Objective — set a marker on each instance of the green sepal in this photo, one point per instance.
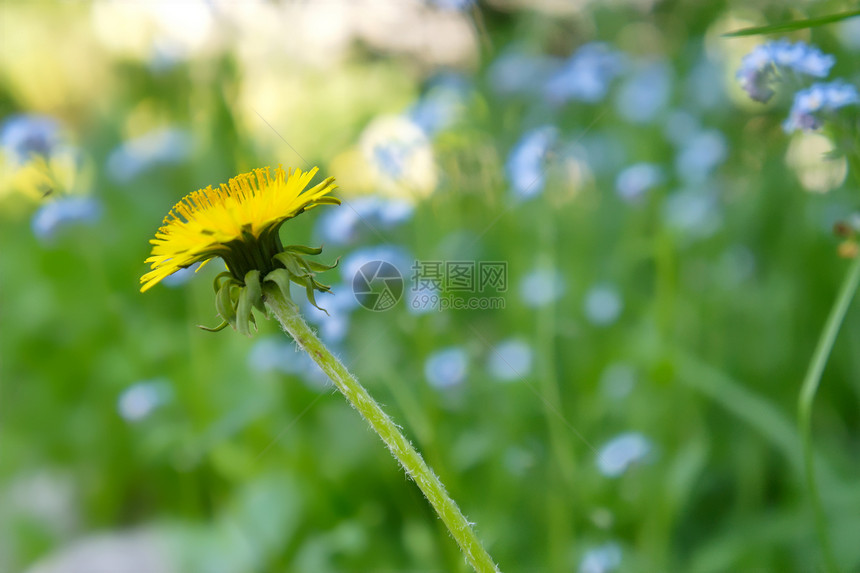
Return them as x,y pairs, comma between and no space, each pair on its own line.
298,269
282,279
304,250
250,297
224,324
219,277
236,298
291,264
235,302
243,313
321,267
310,291
255,291
224,303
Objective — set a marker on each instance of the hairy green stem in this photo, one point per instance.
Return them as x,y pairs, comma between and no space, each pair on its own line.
461,530
807,396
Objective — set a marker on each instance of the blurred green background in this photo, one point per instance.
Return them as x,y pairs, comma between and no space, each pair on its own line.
632,405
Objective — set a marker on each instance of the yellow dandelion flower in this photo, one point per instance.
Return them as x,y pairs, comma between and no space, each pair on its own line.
239,222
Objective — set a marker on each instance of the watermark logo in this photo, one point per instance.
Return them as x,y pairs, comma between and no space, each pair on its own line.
377,285
458,285
436,285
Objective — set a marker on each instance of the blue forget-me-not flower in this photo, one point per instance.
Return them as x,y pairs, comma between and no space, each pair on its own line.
447,368
26,136
637,179
526,161
162,146
585,76
821,98
759,68
510,360
621,452
602,559
65,211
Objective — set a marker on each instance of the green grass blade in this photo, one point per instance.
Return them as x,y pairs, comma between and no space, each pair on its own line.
792,26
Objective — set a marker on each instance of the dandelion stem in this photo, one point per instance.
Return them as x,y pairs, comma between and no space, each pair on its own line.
461,530
807,396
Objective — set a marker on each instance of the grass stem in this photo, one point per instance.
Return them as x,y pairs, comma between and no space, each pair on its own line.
807,397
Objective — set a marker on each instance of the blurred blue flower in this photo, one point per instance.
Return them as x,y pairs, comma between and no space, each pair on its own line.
181,276
680,126
340,226
526,162
602,559
700,154
801,58
518,460
705,87
518,73
275,354
759,68
400,157
820,98
447,368
162,146
279,355
390,212
55,215
392,151
849,33
442,104
756,74
617,380
645,93
621,452
603,305
25,136
139,400
333,326
585,76
604,152
510,360
636,180
143,549
44,496
361,216
694,212
393,254
453,5
164,56
391,158
738,264
541,287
